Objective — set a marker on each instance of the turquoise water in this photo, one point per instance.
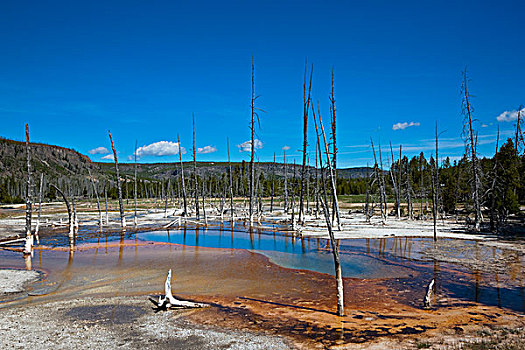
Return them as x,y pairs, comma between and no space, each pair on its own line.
286,251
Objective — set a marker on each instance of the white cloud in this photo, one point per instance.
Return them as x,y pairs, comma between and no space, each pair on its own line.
161,148
247,145
206,149
509,116
286,148
403,126
108,157
99,150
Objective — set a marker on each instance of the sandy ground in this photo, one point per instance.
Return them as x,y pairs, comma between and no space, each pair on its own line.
13,281
124,323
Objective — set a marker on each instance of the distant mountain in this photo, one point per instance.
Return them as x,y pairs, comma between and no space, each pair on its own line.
54,161
160,171
64,165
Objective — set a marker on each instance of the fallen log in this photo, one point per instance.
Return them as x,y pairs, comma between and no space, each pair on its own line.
168,301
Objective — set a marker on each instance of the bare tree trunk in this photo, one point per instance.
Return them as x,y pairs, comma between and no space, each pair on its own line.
399,179
421,214
330,170
437,174
135,187
307,187
383,184
493,188
166,199
106,198
252,170
231,179
98,200
306,107
196,188
69,213
121,207
335,247
127,190
293,197
75,219
378,174
334,137
394,185
285,184
39,208
273,183
204,204
367,199
518,138
29,237
468,130
409,192
317,190
433,168
185,213
259,195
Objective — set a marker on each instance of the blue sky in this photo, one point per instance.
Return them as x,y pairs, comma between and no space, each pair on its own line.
73,70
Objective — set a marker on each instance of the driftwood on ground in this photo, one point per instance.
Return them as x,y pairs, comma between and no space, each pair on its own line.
168,301
427,302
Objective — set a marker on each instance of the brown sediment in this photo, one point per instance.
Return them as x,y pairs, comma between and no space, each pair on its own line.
248,292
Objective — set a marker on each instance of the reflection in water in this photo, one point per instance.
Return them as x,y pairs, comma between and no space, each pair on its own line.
395,259
27,260
287,251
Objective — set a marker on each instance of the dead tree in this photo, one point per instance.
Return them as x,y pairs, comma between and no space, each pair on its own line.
518,138
135,187
69,213
121,207
39,208
285,183
330,172
185,213
367,196
166,198
29,236
306,105
334,135
293,197
433,167
273,183
252,146
317,191
75,218
399,180
493,186
308,186
106,199
421,187
471,140
196,188
394,183
204,204
435,187
409,191
231,179
335,247
378,175
382,179
437,173
96,194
